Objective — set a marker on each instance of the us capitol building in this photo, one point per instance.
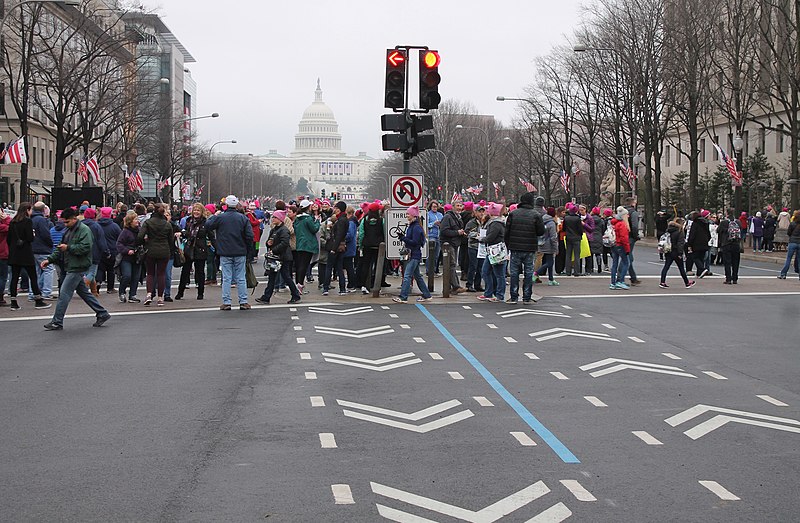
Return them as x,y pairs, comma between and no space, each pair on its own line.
318,156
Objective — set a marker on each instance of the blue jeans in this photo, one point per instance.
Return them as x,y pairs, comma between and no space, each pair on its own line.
411,271
73,282
129,279
619,264
495,276
336,263
522,260
792,249
168,279
44,276
233,270
430,262
474,271
630,268
548,261
91,272
211,267
758,243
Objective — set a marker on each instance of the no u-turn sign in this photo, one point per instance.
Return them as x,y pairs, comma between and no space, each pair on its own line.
406,190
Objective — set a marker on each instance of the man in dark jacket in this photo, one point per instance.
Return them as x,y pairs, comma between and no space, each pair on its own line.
633,218
234,237
697,243
336,253
451,231
111,232
99,248
76,248
42,248
524,225
729,248
573,227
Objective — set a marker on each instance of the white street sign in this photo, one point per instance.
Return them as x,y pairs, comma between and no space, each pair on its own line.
341,312
633,365
384,364
551,334
729,415
358,334
414,416
395,223
407,190
494,512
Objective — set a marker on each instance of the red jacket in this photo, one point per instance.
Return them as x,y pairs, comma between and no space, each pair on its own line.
623,234
3,236
256,225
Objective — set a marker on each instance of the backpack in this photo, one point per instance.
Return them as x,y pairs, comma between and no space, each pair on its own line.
734,231
665,243
609,237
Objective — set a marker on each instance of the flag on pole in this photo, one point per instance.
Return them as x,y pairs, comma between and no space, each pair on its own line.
628,172
15,152
84,174
528,185
564,178
94,169
496,189
135,182
456,198
475,189
730,163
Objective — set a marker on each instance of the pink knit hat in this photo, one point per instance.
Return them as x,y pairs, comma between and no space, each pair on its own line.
448,207
495,209
105,212
210,207
704,213
90,213
468,206
512,207
413,211
279,215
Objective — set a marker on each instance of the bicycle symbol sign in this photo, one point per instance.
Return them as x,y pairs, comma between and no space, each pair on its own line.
406,190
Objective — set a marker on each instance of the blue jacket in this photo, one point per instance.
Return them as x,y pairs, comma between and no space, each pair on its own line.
99,245
57,233
111,231
433,230
350,239
42,242
414,238
233,231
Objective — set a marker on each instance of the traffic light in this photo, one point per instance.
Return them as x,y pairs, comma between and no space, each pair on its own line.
395,78
398,123
429,79
422,142
322,192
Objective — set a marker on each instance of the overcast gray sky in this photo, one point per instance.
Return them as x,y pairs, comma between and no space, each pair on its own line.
258,61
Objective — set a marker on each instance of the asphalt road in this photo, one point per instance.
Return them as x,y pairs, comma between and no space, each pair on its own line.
482,412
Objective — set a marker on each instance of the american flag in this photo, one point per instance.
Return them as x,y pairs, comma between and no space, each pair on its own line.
185,190
528,185
135,182
564,178
82,170
456,198
628,171
15,152
163,183
496,189
94,169
475,189
730,163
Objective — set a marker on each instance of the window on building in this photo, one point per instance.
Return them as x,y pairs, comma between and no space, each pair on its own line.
33,157
714,153
42,152
678,153
50,161
779,139
746,143
702,150
2,96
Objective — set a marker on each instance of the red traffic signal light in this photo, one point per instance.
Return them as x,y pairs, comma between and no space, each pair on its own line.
429,79
395,78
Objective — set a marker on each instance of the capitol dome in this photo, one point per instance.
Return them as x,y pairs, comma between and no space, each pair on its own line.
318,131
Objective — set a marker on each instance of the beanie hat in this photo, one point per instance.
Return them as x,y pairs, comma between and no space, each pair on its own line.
482,203
105,212
413,211
448,207
251,206
495,209
469,206
704,212
608,212
551,211
622,210
512,207
528,198
539,201
304,204
595,210
342,206
83,208
279,215
90,213
364,206
374,207
326,202
210,207
231,200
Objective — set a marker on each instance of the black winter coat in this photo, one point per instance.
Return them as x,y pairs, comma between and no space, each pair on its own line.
194,234
524,225
573,226
280,243
20,243
699,235
159,234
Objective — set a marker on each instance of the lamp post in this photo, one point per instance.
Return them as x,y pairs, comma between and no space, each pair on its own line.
211,160
486,135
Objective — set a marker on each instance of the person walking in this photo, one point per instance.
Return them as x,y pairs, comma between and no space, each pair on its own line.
157,237
524,226
633,225
306,242
5,221
20,256
620,251
573,228
195,251
675,254
42,248
76,248
111,231
414,239
234,238
793,248
548,247
278,247
698,243
731,244
451,230
99,248
494,274
130,265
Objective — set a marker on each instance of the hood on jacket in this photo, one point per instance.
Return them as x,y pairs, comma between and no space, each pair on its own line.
547,219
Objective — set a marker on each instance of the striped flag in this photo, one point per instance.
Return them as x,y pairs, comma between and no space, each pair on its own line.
84,174
456,198
135,182
564,178
15,152
496,189
528,185
628,172
730,163
94,169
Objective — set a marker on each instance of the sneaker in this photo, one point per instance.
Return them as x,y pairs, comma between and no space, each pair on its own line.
101,320
300,289
663,285
470,289
613,286
726,282
294,300
122,298
704,273
623,286
422,299
148,300
41,304
553,283
459,290
168,299
53,327
244,307
492,299
364,290
483,298
384,284
342,294
781,276
160,302
262,301
324,293
134,299
690,284
636,282
351,290
397,299
225,307
15,305
511,301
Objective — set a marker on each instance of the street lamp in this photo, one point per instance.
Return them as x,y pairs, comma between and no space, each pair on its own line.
211,160
212,115
486,135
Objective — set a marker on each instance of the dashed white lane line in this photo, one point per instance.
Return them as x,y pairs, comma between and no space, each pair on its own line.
531,356
482,401
770,399
477,315
435,356
580,493
311,375
295,317
509,339
327,440
419,340
491,325
317,401
714,375
586,315
342,495
385,307
566,307
594,400
466,307
719,490
301,340
646,437
292,309
637,340
305,355
523,439
671,356
394,316
298,327
559,375
609,326
405,326
456,375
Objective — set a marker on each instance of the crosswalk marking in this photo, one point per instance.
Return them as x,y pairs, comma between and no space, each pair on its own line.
586,315
405,326
523,439
385,307
301,340
435,356
719,490
580,493
342,495
477,315
327,440
394,316
559,375
482,401
531,355
637,340
317,401
305,355
594,400
714,375
456,375
491,325
566,307
298,327
770,399
466,307
292,309
311,375
609,326
670,356
419,340
509,339
646,437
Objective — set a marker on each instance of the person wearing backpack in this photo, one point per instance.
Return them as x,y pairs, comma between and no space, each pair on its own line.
730,243
671,246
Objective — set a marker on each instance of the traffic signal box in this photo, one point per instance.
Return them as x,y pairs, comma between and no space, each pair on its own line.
429,79
395,95
409,128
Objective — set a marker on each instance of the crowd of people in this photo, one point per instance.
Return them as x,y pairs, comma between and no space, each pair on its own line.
75,251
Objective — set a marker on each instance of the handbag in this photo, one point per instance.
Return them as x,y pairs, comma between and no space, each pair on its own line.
250,276
497,253
141,254
271,264
178,259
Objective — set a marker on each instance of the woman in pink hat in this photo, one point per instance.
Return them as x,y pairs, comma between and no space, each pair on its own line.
414,239
494,274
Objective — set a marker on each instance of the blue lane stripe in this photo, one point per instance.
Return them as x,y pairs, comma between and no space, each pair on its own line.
552,441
